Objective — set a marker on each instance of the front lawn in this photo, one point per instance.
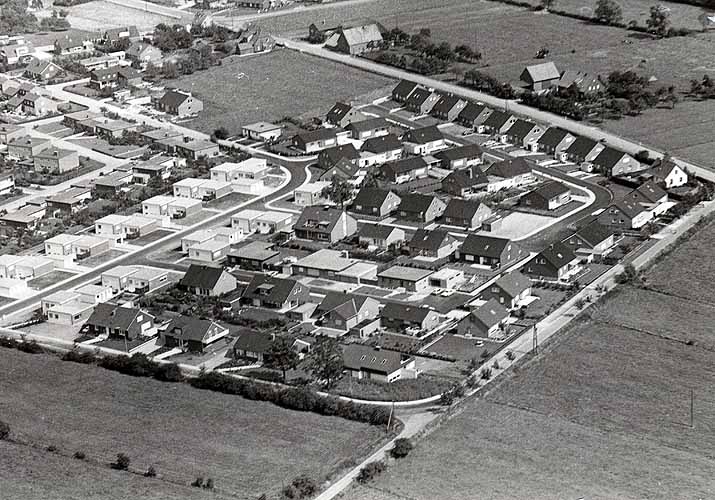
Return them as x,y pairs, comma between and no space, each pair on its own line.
400,390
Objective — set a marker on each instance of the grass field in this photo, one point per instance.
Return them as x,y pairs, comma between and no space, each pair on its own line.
247,447
276,85
93,16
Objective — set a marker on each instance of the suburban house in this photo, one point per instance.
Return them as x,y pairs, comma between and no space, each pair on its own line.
344,169
26,147
540,77
402,318
548,196
252,344
158,167
147,279
359,39
117,278
381,149
317,140
496,123
468,214
119,322
378,236
7,183
8,132
403,90
592,241
373,363
509,290
436,244
420,207
509,174
556,262
626,213
584,83
42,70
612,162
365,129
275,293
424,141
486,321
421,101
194,149
554,141
335,265
668,174
582,150
56,160
329,157
311,194
180,103
209,281
262,131
108,186
405,170
375,202
73,43
15,53
324,224
254,256
252,168
192,334
460,157
489,251
144,54
650,195
250,221
68,201
524,133
344,311
412,279
473,115
465,182
38,105
209,251
343,114
448,107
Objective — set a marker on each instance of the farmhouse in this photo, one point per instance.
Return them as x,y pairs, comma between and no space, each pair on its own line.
275,293
540,77
555,262
375,202
468,214
509,290
378,236
465,182
410,278
180,103
192,334
436,244
486,321
324,224
548,196
360,39
489,251
420,207
405,317
423,141
381,365
207,281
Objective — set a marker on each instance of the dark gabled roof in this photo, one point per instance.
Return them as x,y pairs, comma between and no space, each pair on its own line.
651,191
371,197
497,119
336,153
191,328
543,71
468,151
405,312
471,112
594,233
557,254
415,202
128,72
271,289
113,316
463,178
521,128
629,206
358,356
382,144
369,124
513,283
173,98
552,137
608,158
581,147
461,209
661,169
405,165
405,87
100,73
325,217
507,169
487,246
345,305
446,103
253,341
200,276
423,135
376,231
431,240
418,97
550,190
489,314
338,112
320,134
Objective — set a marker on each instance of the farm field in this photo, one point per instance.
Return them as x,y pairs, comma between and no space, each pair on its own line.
275,85
93,16
247,447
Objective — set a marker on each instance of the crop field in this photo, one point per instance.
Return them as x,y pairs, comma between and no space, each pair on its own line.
247,447
93,16
275,85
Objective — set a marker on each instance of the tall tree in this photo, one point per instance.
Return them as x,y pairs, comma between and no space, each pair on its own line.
608,12
326,360
547,4
338,191
282,356
659,20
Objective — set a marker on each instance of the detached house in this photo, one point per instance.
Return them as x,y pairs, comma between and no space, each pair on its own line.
403,90
192,334
252,344
316,140
509,290
275,293
668,174
540,77
421,101
436,244
554,141
41,70
329,157
381,149
509,174
468,214
359,39
424,141
465,182
625,214
486,321
375,202
614,163
365,129
460,157
324,224
420,207
489,251
209,281
344,311
119,322
378,236
448,107
556,262
400,317
405,170
380,365
548,196
592,241
144,54
180,103
343,114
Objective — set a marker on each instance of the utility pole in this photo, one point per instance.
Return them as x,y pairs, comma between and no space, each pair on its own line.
535,341
389,420
692,407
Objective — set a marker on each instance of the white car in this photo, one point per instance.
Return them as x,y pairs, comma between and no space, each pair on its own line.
447,293
437,291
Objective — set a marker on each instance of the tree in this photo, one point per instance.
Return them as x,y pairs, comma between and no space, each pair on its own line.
326,360
659,20
608,12
547,4
402,448
122,462
4,431
282,356
221,133
338,191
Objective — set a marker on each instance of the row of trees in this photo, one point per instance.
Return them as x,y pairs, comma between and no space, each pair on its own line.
488,84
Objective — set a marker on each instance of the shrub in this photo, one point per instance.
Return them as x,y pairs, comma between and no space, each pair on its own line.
510,355
209,484
458,391
122,462
495,365
79,455
8,342
371,471
486,373
402,448
169,372
303,486
198,482
76,356
31,347
150,472
472,381
52,448
4,431
447,398
288,491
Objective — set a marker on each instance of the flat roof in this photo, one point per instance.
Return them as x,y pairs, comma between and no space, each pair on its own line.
9,259
200,235
211,184
446,273
360,270
73,308
329,260
261,127
34,261
312,187
210,245
120,271
149,273
112,219
61,296
405,273
252,165
248,213
159,200
63,239
111,124
185,202
138,220
275,216
197,145
90,240
91,289
160,133
190,182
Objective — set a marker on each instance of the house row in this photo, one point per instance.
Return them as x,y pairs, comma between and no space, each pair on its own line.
201,189
70,247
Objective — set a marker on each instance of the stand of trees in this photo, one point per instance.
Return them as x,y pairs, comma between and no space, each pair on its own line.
488,84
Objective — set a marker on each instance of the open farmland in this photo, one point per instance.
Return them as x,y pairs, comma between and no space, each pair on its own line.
275,85
98,15
247,447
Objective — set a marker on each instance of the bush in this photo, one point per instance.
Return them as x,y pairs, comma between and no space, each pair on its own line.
150,472
402,448
371,471
79,455
495,365
138,365
288,491
472,381
122,462
486,373
31,347
169,372
303,486
209,484
198,482
510,355
86,358
4,431
52,448
447,398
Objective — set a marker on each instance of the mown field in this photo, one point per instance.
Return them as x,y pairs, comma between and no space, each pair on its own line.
275,85
247,447
602,413
98,15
